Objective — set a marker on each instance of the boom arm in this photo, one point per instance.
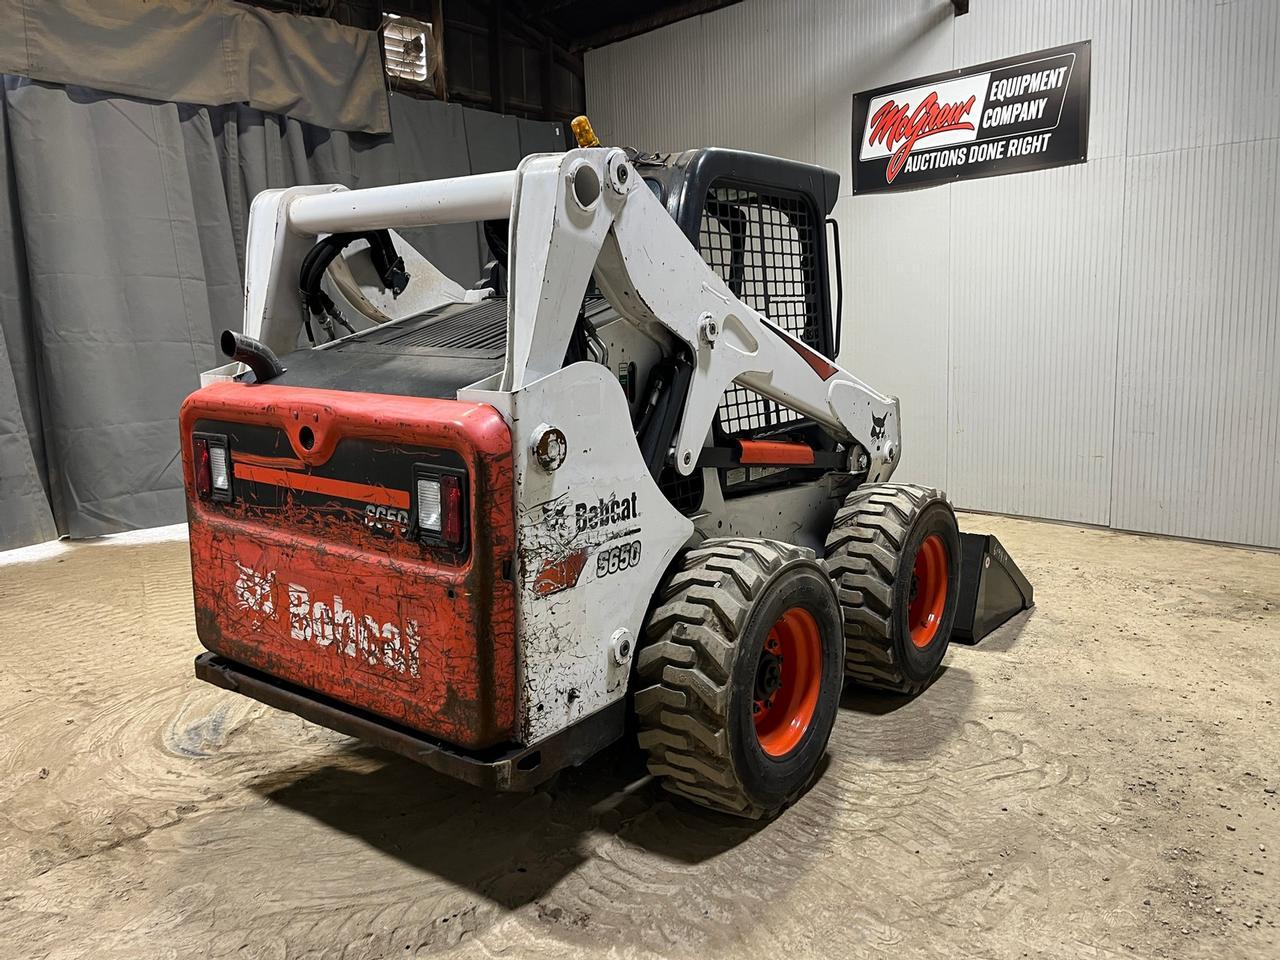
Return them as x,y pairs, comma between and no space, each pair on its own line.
572,214
589,209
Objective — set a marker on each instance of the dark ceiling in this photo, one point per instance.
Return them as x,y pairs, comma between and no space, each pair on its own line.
518,57
593,23
576,25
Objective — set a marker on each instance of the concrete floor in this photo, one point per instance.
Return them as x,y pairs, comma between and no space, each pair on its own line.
1097,780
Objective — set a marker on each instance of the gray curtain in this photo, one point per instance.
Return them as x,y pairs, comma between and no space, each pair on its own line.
122,226
202,51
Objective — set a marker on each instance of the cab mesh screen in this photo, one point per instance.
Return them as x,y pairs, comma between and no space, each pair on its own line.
764,247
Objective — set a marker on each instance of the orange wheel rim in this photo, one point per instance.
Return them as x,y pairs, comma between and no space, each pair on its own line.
788,680
928,591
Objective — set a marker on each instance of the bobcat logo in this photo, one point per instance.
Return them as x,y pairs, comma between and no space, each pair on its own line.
877,426
555,516
254,591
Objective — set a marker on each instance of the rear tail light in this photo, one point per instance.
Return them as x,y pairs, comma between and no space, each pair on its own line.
451,488
212,466
219,469
430,505
439,506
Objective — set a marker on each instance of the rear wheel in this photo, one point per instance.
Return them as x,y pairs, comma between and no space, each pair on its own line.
738,683
894,554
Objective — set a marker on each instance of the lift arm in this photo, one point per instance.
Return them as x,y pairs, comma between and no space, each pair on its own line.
589,210
573,214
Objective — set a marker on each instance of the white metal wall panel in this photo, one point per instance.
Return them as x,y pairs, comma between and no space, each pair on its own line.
1035,282
1204,72
1198,426
746,105
648,92
1094,343
897,281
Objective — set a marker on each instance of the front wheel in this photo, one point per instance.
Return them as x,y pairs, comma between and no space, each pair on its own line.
894,554
740,675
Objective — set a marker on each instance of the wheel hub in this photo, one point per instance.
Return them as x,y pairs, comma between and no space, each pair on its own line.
768,676
788,679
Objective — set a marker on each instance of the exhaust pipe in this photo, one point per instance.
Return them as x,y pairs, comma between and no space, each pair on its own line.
260,358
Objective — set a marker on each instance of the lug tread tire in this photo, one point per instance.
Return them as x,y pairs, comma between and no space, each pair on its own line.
864,550
683,671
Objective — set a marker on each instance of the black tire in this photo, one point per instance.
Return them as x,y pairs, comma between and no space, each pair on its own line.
872,550
708,644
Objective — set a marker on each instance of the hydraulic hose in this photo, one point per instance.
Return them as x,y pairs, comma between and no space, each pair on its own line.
316,302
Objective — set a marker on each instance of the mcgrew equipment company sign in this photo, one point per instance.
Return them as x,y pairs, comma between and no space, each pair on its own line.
1007,116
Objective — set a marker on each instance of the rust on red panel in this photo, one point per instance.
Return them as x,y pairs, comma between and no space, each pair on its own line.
312,573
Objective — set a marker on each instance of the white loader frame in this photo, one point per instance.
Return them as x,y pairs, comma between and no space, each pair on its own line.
573,215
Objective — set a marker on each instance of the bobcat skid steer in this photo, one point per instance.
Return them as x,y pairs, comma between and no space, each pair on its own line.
622,476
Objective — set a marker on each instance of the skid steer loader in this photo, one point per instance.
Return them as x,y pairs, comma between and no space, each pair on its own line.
622,475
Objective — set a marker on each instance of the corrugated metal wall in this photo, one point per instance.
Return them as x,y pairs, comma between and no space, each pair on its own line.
1094,343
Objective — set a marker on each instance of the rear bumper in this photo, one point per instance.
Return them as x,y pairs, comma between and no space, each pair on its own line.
499,768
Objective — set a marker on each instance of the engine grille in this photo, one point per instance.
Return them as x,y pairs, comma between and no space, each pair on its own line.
479,327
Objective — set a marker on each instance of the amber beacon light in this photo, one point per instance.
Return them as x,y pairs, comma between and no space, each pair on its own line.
583,133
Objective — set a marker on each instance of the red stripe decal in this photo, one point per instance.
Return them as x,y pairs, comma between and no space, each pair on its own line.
557,575
362,492
820,364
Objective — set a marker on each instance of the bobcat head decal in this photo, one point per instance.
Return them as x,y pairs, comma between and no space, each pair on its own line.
555,516
877,426
254,591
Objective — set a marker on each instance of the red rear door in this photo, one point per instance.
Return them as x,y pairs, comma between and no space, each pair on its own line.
309,562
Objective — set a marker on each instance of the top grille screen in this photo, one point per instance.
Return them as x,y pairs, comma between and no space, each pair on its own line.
453,329
765,249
